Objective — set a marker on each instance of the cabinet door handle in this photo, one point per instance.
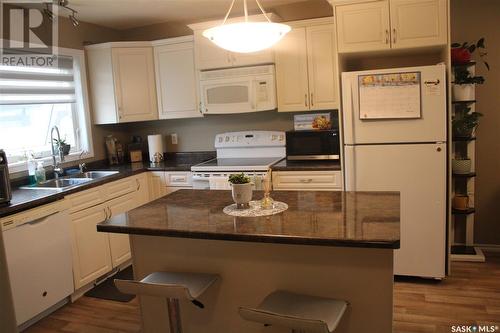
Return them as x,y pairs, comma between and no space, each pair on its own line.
305,99
106,214
394,35
387,36
138,184
312,99
110,212
309,180
201,110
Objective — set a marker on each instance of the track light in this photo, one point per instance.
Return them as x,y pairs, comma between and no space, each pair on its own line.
63,4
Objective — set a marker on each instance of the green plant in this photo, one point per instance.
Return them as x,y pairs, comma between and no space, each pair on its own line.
61,142
464,123
463,76
239,179
472,47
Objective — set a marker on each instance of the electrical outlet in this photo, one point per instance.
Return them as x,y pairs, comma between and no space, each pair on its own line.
174,138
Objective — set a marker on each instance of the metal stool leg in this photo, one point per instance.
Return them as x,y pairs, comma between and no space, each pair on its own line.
174,315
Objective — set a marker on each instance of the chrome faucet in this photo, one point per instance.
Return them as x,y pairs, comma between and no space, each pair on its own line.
58,171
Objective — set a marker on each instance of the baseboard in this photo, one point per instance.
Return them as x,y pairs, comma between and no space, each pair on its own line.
489,247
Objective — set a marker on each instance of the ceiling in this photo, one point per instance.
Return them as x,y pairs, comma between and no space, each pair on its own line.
126,14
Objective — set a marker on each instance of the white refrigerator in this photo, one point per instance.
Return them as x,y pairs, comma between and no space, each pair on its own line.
394,124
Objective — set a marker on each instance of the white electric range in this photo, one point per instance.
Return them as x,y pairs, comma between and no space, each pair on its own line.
251,153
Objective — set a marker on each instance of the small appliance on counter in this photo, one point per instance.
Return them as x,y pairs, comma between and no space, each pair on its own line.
135,149
5,190
114,149
155,145
313,145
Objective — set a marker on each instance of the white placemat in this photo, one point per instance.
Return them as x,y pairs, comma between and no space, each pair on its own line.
255,209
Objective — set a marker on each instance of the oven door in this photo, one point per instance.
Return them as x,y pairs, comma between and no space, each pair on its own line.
313,145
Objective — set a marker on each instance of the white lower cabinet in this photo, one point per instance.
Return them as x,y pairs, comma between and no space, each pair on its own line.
307,180
157,185
91,254
97,253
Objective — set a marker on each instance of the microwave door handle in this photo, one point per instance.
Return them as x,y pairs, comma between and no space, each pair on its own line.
253,94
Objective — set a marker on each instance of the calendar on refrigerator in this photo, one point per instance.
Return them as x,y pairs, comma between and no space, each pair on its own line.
389,96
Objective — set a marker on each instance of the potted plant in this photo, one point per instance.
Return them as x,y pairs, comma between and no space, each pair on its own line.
464,83
465,122
461,53
461,165
63,146
241,189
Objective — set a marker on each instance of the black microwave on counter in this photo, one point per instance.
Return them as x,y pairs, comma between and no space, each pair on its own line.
313,145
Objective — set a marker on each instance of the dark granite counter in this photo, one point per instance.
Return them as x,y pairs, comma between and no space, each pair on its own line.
348,219
287,165
23,199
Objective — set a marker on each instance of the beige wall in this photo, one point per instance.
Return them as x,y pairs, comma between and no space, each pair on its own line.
470,20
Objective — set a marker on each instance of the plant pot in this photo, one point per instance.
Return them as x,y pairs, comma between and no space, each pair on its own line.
460,202
242,194
463,92
460,56
65,148
461,166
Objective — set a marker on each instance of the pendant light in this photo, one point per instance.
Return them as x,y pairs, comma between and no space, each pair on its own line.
246,37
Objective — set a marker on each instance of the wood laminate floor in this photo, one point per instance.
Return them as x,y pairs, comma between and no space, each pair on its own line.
470,296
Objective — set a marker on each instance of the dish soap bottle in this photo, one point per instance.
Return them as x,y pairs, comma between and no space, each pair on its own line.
40,173
31,170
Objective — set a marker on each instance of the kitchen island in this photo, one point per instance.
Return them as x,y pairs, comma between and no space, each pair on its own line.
330,244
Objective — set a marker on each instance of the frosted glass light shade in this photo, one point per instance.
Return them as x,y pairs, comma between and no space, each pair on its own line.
246,37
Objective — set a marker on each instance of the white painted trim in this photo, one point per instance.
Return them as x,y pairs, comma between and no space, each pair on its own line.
81,91
310,22
348,2
118,44
175,40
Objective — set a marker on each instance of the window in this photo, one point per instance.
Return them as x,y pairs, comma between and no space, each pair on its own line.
33,100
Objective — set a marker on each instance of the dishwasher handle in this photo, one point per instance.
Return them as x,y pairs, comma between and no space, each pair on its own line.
40,219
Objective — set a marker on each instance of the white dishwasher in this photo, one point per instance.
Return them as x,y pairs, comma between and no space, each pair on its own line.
39,261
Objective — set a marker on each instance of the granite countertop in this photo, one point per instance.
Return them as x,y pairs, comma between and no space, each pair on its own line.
23,199
313,165
353,219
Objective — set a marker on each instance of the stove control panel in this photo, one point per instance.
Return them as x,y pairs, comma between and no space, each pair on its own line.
250,139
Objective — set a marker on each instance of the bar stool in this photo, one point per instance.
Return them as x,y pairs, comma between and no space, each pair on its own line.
300,313
172,286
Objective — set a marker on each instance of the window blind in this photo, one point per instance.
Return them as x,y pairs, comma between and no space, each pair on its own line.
37,85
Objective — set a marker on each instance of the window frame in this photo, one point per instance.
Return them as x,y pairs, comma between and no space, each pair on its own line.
84,130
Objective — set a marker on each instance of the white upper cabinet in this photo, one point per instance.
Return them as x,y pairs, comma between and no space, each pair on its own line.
418,23
321,62
363,27
122,82
291,72
210,56
390,24
306,69
176,79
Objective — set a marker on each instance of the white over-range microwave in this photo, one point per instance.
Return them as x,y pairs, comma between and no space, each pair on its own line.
238,90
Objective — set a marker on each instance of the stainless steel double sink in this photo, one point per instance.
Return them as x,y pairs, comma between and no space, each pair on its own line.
63,183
